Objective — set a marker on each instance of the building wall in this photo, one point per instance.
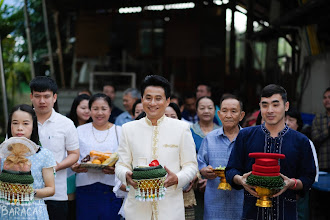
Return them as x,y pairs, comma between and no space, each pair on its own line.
318,81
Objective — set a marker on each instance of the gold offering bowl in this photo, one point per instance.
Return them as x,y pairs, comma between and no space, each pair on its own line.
150,189
149,184
223,183
265,195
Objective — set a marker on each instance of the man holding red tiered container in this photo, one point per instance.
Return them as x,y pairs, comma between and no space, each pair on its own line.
290,177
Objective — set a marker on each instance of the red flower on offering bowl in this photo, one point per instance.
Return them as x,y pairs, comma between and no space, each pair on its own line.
154,163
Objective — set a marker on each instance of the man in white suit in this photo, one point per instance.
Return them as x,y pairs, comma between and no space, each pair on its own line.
157,137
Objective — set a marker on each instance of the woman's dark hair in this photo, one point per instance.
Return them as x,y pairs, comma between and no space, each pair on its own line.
273,89
97,96
293,113
28,109
176,109
141,115
155,80
135,104
85,91
204,97
73,112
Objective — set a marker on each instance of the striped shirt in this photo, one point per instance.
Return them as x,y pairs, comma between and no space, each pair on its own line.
321,139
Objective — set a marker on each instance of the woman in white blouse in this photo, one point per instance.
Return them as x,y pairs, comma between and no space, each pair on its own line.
94,195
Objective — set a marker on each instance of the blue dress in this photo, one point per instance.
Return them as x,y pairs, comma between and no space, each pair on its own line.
298,163
36,210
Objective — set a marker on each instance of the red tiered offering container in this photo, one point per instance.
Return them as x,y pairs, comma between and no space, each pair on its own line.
266,176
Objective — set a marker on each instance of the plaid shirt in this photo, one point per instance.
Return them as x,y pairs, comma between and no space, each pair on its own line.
321,139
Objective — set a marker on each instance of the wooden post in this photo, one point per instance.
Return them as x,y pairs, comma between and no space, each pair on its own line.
59,48
49,45
28,36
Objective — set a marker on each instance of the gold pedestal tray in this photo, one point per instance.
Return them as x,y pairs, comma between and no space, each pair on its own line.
223,183
264,199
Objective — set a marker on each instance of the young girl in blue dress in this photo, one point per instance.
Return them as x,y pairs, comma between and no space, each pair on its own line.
23,123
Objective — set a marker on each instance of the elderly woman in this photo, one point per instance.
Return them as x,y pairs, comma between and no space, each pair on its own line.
94,194
205,112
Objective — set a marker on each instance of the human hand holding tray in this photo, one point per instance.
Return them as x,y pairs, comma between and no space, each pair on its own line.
220,172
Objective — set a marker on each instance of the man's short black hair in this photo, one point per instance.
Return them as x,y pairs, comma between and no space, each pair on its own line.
208,86
272,89
189,95
42,84
231,96
180,102
327,90
155,80
110,84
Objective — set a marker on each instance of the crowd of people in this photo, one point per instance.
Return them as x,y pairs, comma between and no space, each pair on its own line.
190,137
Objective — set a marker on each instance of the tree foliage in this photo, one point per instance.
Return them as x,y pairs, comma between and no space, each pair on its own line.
16,71
8,19
37,31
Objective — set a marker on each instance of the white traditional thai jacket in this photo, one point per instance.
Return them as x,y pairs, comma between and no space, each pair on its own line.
171,143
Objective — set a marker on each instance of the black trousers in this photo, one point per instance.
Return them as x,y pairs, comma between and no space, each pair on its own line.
71,210
57,210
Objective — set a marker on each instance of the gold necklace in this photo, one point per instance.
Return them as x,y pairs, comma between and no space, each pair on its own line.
96,138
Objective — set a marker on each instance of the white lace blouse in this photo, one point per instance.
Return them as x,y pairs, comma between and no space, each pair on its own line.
105,141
